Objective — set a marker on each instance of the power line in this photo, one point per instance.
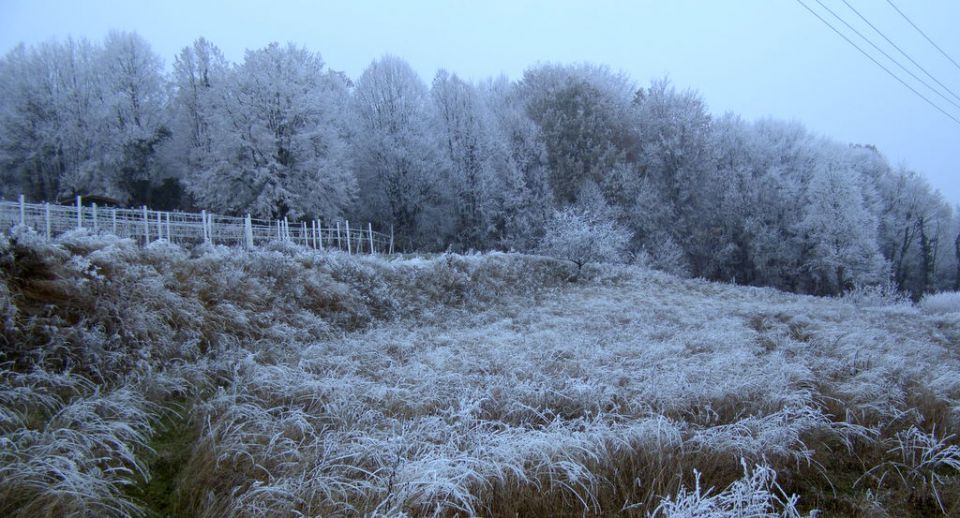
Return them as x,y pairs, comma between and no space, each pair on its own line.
885,69
884,36
881,51
923,34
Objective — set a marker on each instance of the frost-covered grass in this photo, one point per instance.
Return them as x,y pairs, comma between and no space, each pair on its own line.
284,382
757,494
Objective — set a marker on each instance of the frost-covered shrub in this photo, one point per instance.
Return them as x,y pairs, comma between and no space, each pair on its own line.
875,295
581,237
663,253
469,281
369,287
940,303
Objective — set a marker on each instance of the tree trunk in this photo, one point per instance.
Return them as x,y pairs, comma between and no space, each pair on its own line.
841,280
956,251
900,274
926,256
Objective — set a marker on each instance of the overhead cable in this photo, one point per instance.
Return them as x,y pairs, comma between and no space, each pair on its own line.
881,51
923,34
885,69
901,51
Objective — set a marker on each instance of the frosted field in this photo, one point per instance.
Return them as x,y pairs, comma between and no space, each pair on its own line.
289,383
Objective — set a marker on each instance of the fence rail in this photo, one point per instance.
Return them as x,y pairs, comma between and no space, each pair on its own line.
145,226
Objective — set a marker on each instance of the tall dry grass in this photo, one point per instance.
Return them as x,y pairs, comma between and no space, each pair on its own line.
285,382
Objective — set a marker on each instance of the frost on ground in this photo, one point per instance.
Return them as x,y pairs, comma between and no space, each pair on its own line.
285,382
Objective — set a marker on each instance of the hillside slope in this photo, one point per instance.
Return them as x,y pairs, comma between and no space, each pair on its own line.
285,382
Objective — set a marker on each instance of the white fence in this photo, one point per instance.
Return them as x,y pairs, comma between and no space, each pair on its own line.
147,225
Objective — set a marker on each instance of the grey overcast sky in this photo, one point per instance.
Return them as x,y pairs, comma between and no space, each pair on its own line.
758,58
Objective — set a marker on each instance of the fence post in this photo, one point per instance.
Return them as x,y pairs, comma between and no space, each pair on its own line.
391,239
203,224
370,233
248,231
113,218
320,234
23,210
347,224
79,213
96,227
210,227
339,244
46,218
146,226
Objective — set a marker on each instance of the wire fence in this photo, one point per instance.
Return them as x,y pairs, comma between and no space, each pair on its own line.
145,226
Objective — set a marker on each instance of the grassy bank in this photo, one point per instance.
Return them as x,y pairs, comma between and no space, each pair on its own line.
284,382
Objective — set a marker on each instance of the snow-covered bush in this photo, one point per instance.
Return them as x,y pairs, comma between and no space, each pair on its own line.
940,303
663,253
875,295
581,237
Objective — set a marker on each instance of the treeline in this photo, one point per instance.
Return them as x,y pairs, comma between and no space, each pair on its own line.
460,165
